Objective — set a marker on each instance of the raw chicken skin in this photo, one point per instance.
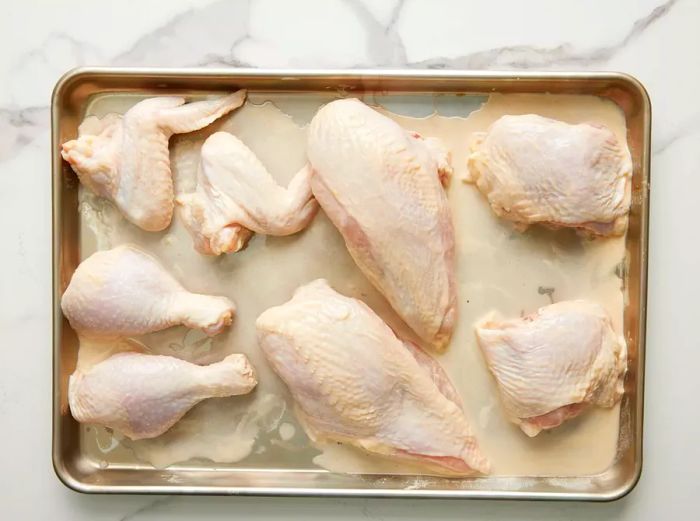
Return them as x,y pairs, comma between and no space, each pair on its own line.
380,186
355,382
142,395
551,365
125,291
126,159
236,196
539,170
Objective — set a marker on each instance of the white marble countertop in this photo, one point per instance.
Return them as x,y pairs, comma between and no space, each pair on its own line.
654,40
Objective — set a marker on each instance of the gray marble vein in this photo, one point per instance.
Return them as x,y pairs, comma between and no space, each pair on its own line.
179,42
19,127
682,130
176,43
384,44
147,508
395,15
217,60
81,50
563,55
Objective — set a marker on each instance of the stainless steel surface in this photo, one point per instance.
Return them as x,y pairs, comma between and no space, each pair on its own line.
70,98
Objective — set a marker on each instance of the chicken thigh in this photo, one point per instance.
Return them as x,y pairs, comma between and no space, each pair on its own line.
142,395
539,170
236,196
126,159
125,291
355,382
380,186
551,365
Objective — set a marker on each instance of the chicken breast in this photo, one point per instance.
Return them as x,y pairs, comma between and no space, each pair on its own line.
355,382
539,170
380,186
551,365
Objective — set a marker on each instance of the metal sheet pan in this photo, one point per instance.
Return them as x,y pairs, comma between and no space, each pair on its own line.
71,96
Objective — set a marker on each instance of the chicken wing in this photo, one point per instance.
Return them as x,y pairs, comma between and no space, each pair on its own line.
236,196
126,159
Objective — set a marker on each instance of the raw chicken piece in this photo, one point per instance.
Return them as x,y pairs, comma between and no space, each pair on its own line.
553,364
237,196
539,170
126,159
125,291
355,382
142,395
380,186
